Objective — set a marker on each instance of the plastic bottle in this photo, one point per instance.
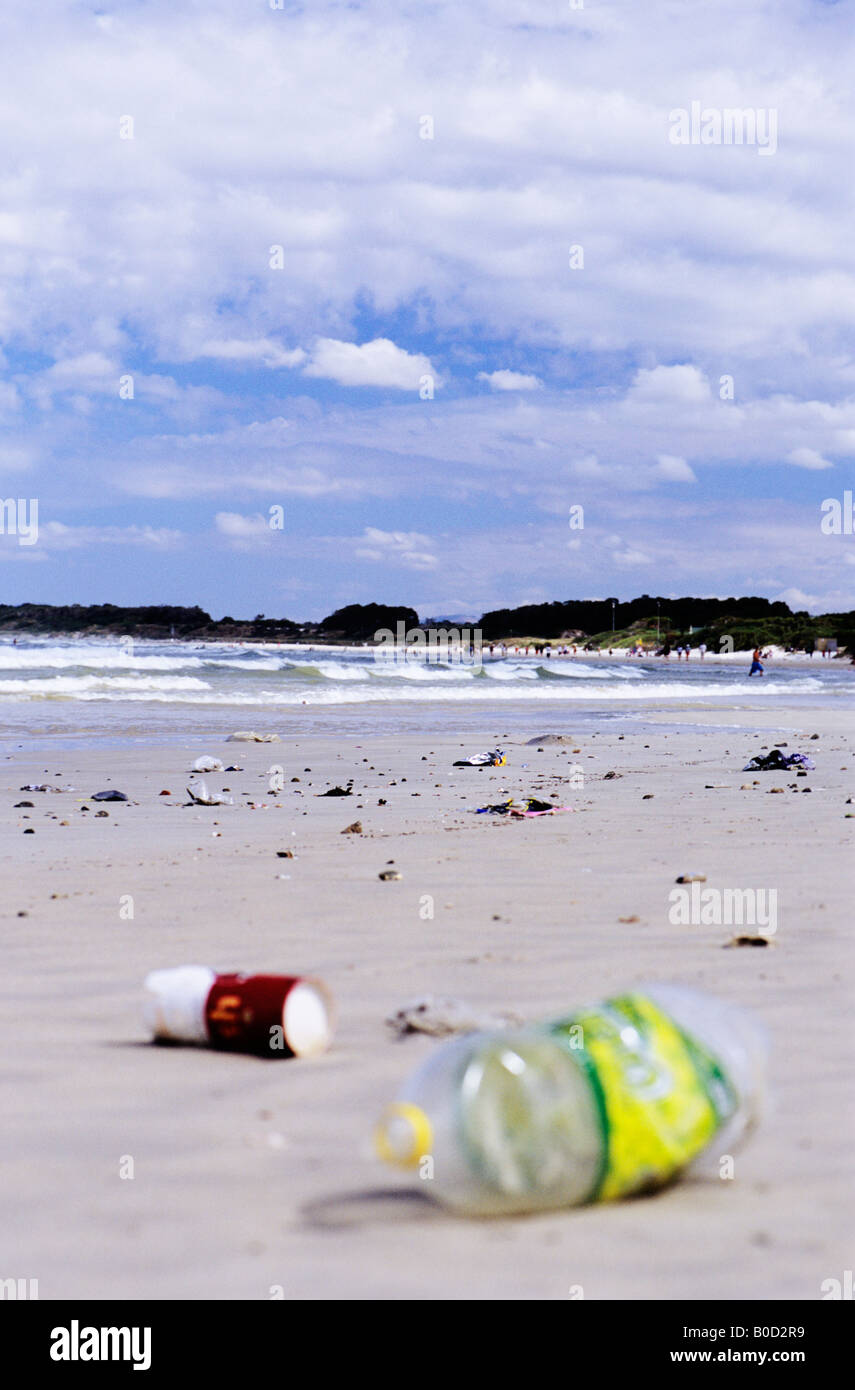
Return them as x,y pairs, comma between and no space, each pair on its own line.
271,1015
613,1099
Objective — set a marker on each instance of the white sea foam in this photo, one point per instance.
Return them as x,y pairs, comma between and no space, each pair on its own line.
176,690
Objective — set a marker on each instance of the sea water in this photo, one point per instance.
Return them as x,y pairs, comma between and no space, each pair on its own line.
97,689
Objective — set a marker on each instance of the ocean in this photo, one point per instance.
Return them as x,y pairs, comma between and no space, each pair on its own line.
97,690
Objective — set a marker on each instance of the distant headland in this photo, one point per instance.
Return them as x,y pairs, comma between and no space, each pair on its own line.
744,622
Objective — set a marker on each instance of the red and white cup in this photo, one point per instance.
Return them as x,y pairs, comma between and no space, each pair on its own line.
270,1015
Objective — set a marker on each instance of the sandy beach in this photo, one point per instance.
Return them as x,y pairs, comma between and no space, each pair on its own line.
253,1177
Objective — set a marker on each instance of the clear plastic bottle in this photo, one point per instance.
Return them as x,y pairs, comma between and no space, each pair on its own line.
613,1099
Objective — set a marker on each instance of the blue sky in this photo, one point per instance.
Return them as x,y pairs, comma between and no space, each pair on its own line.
558,379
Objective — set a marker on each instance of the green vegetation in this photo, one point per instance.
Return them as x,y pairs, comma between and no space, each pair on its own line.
737,624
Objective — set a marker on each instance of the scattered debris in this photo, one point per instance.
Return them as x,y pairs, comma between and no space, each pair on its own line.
389,875
439,1016
496,758
530,806
166,792
338,791
648,796
101,813
249,736
549,738
45,787
270,1015
20,804
691,878
609,776
749,941
354,829
207,764
777,761
627,920
284,854
109,796
202,797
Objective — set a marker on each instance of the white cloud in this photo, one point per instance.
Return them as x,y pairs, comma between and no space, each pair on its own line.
262,350
505,380
55,535
797,599
808,458
378,363
632,557
406,548
16,456
245,532
683,384
674,469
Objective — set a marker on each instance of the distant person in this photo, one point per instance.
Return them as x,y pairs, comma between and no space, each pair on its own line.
703,650
666,652
756,665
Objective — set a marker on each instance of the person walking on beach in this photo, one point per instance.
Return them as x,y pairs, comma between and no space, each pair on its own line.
756,665
703,650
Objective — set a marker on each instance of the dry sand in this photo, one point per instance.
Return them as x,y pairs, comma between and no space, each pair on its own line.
252,1174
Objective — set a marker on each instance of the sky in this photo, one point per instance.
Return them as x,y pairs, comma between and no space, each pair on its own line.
311,304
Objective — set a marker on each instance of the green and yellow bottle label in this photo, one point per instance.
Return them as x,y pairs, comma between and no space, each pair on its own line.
660,1095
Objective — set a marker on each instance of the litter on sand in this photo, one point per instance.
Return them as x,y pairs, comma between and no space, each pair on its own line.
529,806
206,764
202,797
269,1015
440,1016
496,758
776,761
500,1117
249,736
338,791
45,787
390,875
749,941
108,796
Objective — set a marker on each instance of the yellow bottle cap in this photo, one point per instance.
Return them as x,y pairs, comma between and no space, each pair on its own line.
404,1135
